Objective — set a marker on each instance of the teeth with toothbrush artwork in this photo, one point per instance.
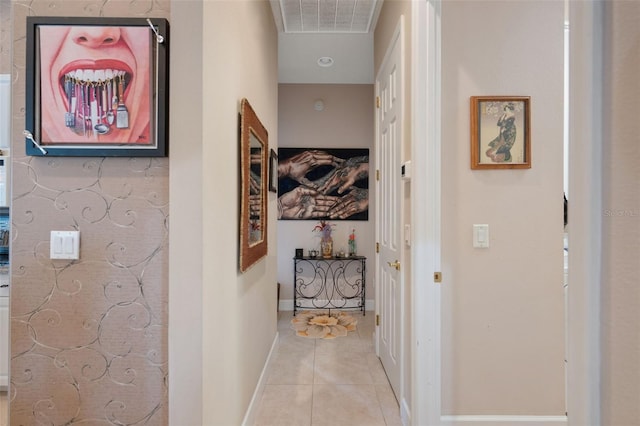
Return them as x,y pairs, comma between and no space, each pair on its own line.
96,84
100,105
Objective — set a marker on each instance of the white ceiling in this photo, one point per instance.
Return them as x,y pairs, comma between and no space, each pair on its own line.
340,29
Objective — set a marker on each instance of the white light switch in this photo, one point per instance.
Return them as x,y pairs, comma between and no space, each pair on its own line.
64,245
480,235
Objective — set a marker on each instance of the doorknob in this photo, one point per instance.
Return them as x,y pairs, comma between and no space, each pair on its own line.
395,264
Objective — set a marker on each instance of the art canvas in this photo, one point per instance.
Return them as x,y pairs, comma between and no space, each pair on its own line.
323,183
96,86
500,132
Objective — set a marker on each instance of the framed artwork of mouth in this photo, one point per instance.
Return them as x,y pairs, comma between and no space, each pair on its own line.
97,86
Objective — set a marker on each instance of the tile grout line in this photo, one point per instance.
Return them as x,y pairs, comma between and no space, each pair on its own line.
313,382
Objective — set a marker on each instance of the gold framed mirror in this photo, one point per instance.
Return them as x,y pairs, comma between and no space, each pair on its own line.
254,150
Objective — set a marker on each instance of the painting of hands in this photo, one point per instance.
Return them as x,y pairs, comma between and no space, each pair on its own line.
323,184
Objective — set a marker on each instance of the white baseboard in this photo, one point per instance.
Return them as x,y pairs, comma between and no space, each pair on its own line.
405,413
287,305
250,414
509,420
4,383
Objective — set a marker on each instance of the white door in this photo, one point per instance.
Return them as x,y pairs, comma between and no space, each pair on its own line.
389,209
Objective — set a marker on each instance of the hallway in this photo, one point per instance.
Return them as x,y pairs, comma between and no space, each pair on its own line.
327,382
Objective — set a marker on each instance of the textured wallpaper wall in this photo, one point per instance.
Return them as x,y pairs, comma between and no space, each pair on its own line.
5,36
88,337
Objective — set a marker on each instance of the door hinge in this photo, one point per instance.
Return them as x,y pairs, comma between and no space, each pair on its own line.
377,320
377,174
377,101
437,277
377,247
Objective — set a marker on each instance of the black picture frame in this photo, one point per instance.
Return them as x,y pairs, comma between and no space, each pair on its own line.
273,171
97,87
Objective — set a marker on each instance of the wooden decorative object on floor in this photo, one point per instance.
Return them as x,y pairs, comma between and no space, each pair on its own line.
320,325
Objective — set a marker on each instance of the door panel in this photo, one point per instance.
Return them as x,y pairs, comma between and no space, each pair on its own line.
389,199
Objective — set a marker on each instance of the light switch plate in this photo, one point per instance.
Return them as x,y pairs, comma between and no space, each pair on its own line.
480,235
64,245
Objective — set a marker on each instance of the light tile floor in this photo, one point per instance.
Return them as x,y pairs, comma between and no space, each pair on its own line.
316,382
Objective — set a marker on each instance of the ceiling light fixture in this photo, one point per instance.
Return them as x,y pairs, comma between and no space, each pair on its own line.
325,61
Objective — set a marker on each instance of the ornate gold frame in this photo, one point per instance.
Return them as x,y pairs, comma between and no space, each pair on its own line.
254,151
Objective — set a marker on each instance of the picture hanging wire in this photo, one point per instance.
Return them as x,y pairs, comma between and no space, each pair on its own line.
159,37
29,136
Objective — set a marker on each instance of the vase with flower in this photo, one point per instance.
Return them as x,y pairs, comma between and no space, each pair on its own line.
326,241
352,243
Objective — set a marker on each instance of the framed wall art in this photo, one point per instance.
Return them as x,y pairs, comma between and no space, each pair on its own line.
273,171
323,183
97,86
254,151
500,132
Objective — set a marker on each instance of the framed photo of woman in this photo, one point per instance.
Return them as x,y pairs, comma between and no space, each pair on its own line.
500,132
97,86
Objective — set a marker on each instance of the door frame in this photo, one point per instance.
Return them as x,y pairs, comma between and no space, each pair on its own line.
585,177
425,204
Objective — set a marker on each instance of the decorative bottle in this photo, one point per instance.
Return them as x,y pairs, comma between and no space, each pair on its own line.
352,243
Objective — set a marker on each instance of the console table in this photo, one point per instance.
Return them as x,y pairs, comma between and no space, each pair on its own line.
329,283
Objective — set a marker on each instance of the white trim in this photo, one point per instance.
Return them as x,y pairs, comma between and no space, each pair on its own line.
585,211
5,357
405,412
5,116
252,409
425,203
287,305
484,420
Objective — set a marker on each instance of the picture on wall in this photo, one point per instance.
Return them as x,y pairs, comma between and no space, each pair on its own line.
323,184
500,132
96,86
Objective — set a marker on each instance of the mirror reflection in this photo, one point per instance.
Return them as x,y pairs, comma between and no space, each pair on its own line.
255,190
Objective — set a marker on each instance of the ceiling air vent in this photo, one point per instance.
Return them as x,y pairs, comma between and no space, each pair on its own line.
329,16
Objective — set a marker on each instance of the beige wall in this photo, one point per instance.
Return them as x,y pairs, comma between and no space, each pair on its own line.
186,262
239,310
503,322
346,122
5,36
88,337
620,315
